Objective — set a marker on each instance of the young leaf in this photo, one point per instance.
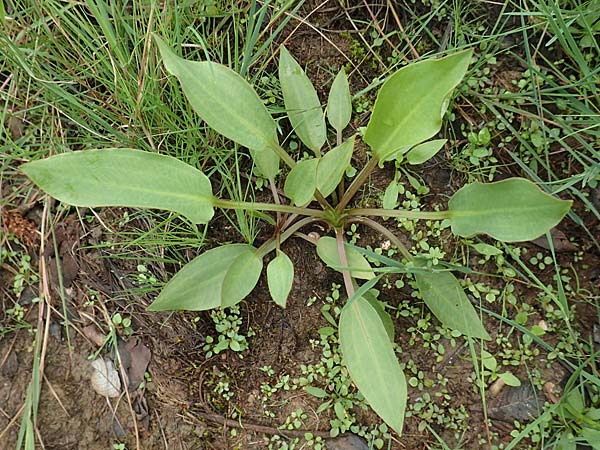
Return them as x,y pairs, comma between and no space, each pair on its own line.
125,177
410,104
301,182
315,391
280,276
223,99
267,162
510,210
358,265
301,102
390,197
486,249
199,285
488,361
339,103
368,354
332,167
446,299
509,379
241,277
425,151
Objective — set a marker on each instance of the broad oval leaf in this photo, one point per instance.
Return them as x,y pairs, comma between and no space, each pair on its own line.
509,379
510,210
339,102
280,276
223,99
425,151
446,299
409,106
369,356
390,197
241,277
357,263
301,182
199,285
125,177
488,361
301,102
332,167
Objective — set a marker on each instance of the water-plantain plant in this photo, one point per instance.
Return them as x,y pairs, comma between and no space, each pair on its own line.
408,112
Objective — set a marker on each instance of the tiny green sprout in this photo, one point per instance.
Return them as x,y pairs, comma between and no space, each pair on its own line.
228,324
408,112
122,324
540,260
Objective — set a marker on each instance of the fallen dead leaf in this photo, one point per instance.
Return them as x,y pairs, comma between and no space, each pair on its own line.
135,357
105,379
560,242
550,390
521,403
16,126
92,333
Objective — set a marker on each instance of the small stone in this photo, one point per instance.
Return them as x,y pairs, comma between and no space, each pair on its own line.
347,442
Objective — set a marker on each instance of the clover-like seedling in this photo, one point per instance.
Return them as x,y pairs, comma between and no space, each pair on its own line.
408,112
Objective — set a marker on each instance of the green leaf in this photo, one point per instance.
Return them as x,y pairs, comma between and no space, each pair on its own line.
593,414
410,104
488,360
566,442
199,285
339,410
315,391
241,277
323,406
301,102
425,151
339,103
574,399
280,276
125,177
385,317
267,162
509,379
223,99
486,249
327,331
301,182
592,436
358,265
369,356
390,197
446,299
511,210
332,167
